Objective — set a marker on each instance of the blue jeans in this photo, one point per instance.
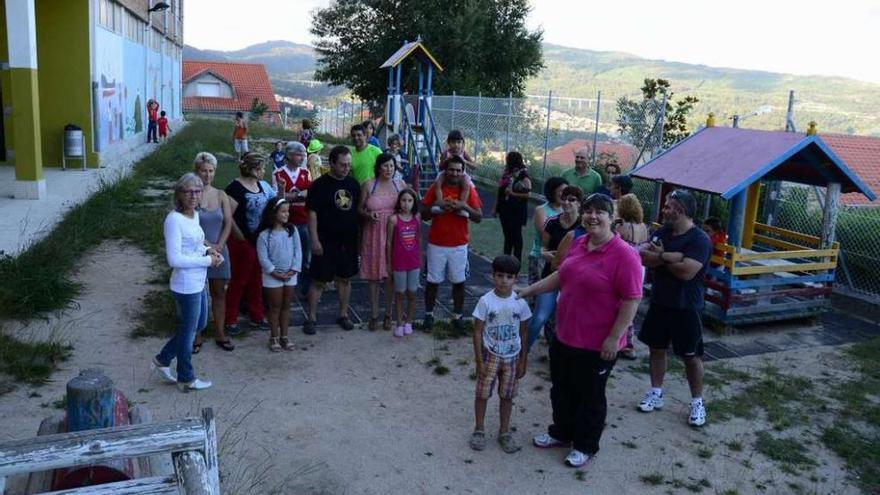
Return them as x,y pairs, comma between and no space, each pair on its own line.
303,280
192,316
545,306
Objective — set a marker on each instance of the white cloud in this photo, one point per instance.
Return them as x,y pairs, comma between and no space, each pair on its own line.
801,37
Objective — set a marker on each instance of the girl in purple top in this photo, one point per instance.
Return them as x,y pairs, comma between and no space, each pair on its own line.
600,283
403,249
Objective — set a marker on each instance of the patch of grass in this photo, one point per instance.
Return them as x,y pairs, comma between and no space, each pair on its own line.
775,394
31,362
580,475
785,451
861,453
60,403
734,445
434,361
629,445
652,479
443,330
705,453
157,315
441,370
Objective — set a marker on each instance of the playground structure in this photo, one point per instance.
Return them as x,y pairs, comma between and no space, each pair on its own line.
762,273
414,125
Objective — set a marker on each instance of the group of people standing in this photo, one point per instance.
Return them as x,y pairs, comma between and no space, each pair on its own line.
586,268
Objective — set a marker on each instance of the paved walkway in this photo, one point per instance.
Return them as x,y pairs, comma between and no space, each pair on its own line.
23,221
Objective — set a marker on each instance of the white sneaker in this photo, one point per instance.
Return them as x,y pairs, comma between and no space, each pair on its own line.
194,385
437,210
545,441
650,402
464,213
698,415
163,372
576,459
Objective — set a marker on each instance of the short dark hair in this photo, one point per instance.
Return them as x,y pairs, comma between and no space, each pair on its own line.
506,264
392,138
687,201
367,123
575,191
612,164
624,182
514,160
454,135
551,185
453,159
357,127
382,158
239,114
337,151
306,124
714,223
162,113
599,201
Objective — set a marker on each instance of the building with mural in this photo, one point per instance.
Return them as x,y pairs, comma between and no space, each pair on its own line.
90,63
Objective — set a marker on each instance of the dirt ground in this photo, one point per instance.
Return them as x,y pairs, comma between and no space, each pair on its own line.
362,413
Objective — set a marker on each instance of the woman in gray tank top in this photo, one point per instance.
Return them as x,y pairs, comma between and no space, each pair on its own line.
215,217
552,189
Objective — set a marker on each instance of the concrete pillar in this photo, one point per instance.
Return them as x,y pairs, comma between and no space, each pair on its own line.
21,32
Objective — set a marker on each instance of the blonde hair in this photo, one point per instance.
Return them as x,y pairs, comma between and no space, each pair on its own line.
185,181
204,157
630,209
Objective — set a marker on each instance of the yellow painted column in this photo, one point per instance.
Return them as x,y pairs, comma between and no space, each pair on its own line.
751,216
21,34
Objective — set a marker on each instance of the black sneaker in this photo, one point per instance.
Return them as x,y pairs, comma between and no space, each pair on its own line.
428,323
232,329
345,323
309,327
262,325
458,326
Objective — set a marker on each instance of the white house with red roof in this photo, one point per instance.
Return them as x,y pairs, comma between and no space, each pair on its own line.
564,155
224,88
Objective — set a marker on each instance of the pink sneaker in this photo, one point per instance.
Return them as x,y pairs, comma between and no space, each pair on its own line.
407,329
398,332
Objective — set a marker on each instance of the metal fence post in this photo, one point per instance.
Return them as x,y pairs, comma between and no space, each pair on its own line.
662,122
596,133
479,112
509,117
547,132
452,121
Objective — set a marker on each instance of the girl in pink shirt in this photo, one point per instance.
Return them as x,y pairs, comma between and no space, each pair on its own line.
403,248
600,283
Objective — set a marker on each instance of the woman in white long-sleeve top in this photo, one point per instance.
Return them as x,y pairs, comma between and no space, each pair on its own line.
189,258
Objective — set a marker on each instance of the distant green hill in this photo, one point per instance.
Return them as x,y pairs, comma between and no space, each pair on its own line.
837,104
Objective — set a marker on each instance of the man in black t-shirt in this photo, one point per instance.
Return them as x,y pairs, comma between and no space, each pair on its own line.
678,254
333,227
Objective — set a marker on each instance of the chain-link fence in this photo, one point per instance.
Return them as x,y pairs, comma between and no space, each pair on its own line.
549,129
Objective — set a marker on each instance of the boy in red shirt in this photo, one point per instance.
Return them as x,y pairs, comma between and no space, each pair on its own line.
152,118
163,126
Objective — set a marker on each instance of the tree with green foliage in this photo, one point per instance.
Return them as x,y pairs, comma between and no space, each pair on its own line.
484,46
258,108
638,120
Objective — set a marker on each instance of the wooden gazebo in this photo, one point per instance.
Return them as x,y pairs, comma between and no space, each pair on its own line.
766,273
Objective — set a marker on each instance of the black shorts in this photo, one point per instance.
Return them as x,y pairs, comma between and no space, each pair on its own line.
682,327
340,260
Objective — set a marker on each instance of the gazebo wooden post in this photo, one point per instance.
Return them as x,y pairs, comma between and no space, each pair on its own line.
829,215
751,214
735,219
658,200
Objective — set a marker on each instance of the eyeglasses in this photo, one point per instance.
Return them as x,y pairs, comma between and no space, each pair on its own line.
571,199
192,192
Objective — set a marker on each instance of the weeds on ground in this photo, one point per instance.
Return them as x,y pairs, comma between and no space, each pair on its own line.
158,316
31,362
788,451
785,399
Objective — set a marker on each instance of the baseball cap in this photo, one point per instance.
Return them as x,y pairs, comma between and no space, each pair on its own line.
686,200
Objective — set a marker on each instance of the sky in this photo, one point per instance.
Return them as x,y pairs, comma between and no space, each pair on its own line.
801,37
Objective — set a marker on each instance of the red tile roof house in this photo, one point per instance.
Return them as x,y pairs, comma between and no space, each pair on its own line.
564,155
862,155
224,88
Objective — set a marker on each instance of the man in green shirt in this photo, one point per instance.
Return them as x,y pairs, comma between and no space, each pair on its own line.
363,155
582,175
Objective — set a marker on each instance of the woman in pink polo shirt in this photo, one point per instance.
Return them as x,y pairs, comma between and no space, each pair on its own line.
600,284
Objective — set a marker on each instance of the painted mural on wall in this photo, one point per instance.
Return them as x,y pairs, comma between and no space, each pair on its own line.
125,82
